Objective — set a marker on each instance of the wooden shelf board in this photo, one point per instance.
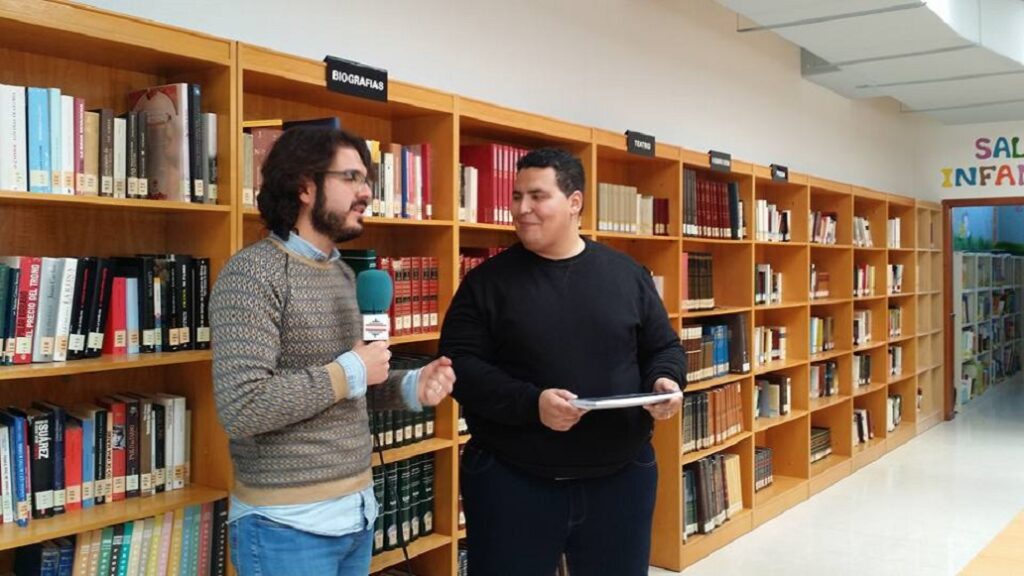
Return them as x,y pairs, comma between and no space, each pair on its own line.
417,449
869,346
830,246
103,364
902,295
865,390
926,421
828,355
377,221
700,545
698,454
463,438
87,519
424,337
770,243
488,227
762,424
828,301
829,473
420,546
703,240
825,464
717,311
713,382
623,236
778,365
864,454
827,402
782,306
902,338
778,488
902,249
900,436
62,201
868,249
461,534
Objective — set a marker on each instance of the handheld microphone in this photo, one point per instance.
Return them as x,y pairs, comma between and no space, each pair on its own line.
374,291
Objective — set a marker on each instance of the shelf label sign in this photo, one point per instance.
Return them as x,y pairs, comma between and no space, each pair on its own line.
639,143
780,173
355,79
720,161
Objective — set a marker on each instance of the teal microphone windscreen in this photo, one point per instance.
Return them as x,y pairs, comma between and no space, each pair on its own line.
374,291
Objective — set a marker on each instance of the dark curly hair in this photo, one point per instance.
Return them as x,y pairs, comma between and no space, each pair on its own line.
301,153
568,168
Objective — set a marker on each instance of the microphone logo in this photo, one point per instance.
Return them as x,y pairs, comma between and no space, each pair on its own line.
375,327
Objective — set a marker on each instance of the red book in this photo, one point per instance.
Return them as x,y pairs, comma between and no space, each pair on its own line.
416,290
28,303
73,465
117,442
484,157
115,335
433,291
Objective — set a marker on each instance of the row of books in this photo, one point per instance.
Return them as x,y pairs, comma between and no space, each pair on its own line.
163,147
821,443
55,460
819,283
862,429
711,417
713,493
488,175
821,227
862,232
414,308
405,497
895,321
862,369
767,285
397,428
56,309
824,379
771,223
894,278
895,360
861,327
863,280
187,541
470,258
624,209
822,336
713,350
769,344
895,241
763,473
893,411
773,396
698,291
712,209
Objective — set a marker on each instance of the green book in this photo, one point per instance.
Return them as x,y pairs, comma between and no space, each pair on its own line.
391,507
405,502
415,497
427,491
106,549
378,524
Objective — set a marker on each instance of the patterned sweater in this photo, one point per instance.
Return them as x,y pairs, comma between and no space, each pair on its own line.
279,321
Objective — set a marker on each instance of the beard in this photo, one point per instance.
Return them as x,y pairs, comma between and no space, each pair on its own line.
332,224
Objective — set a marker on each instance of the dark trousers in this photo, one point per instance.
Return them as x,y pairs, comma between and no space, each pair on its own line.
520,525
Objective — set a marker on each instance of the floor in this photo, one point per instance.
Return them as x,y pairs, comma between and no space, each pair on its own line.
1004,555
928,507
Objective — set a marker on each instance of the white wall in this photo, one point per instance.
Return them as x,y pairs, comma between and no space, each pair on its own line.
955,147
676,69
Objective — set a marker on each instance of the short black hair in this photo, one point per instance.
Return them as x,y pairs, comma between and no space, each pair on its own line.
300,153
568,168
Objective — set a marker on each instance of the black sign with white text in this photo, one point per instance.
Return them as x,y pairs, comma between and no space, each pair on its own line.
355,79
639,143
720,161
780,173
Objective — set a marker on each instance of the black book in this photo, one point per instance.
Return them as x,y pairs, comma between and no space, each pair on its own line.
57,419
427,492
99,307
196,144
378,525
84,287
219,534
159,436
117,542
102,483
7,346
131,131
391,507
140,143
133,448
106,149
40,438
201,303
415,497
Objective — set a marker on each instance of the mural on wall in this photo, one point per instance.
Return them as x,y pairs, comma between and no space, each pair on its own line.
997,167
986,228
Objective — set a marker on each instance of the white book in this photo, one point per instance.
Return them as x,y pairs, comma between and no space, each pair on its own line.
50,281
56,134
210,141
248,197
13,139
67,146
176,435
136,547
6,477
120,158
64,304
389,185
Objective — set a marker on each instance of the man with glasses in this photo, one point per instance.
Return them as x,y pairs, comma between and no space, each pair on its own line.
291,375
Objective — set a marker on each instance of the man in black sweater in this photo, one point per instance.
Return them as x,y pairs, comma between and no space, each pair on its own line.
554,318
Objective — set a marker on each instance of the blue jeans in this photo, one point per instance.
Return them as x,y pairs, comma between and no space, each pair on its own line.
259,546
520,525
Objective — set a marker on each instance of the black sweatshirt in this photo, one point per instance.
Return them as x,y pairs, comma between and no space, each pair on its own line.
592,324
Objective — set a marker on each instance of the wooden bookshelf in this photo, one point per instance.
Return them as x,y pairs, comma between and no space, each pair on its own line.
101,56
55,43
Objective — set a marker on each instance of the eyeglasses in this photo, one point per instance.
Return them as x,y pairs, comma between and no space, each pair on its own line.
353,177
